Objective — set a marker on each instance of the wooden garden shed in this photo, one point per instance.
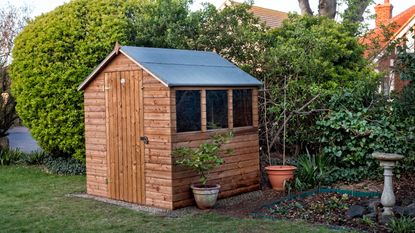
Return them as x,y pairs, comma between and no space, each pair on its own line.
141,103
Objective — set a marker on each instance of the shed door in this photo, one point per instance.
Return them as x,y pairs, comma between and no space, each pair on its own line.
124,102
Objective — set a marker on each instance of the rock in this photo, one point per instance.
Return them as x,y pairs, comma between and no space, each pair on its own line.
406,202
385,219
398,210
409,211
372,216
373,205
355,211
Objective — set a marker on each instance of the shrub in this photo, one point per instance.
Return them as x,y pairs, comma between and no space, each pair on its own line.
401,225
53,164
204,158
64,166
57,50
311,59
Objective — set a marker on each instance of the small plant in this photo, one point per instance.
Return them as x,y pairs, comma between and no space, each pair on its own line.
402,225
205,157
368,221
8,157
312,171
33,158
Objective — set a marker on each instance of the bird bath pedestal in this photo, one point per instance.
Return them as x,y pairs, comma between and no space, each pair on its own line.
387,161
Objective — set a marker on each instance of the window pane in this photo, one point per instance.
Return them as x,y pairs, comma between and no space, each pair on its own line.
242,107
217,109
188,117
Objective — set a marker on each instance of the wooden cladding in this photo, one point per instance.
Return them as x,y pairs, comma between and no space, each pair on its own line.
124,127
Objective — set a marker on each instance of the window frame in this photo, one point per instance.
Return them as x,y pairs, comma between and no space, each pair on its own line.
254,93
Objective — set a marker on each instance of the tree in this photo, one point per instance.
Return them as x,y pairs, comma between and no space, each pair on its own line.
12,20
233,32
353,13
313,58
57,50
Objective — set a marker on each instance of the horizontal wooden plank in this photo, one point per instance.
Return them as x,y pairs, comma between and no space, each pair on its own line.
98,115
95,134
94,102
186,136
156,109
94,109
159,160
157,116
148,130
155,94
95,147
94,95
94,121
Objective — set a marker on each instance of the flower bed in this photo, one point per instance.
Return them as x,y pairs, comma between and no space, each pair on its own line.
330,207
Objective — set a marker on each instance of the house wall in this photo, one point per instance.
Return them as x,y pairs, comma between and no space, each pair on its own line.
397,84
240,172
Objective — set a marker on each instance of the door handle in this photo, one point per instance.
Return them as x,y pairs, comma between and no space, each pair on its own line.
144,139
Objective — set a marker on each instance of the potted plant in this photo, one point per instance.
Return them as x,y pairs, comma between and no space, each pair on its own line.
202,160
278,175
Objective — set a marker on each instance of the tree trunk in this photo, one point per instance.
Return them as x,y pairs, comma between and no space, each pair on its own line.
305,7
327,8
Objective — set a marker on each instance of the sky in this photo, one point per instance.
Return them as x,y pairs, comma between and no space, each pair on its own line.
41,6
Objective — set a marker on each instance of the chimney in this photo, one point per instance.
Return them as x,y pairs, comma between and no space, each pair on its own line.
383,13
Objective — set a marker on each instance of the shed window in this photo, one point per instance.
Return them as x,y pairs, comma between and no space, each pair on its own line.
217,109
242,107
188,110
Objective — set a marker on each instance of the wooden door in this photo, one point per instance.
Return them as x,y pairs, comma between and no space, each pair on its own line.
124,104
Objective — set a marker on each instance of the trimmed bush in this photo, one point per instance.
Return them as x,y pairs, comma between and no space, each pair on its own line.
57,50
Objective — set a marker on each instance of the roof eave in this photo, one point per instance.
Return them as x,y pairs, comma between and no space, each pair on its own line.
96,70
221,85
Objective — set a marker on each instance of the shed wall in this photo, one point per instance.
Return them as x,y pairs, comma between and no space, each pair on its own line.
239,173
157,123
95,138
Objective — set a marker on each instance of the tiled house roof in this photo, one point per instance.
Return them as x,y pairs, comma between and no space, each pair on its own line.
397,23
271,18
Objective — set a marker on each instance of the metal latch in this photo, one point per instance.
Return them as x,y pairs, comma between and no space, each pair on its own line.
144,139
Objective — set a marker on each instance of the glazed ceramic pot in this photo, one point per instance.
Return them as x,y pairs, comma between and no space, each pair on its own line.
205,196
278,175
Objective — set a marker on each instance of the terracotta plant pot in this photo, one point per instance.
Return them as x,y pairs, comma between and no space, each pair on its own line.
205,197
278,175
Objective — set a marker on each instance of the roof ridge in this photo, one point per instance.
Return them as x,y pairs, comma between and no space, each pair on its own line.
269,9
181,64
402,14
186,50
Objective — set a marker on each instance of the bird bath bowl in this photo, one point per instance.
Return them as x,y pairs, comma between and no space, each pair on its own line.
387,161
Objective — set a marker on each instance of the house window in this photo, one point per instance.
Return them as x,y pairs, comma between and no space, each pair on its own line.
188,114
242,107
216,109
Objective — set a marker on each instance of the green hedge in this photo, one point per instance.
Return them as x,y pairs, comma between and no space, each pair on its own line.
57,50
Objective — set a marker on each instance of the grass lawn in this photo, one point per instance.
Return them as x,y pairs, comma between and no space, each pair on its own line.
33,201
